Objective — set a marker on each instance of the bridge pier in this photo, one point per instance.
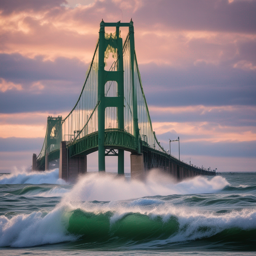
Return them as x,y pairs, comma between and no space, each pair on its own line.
34,164
137,166
71,168
174,170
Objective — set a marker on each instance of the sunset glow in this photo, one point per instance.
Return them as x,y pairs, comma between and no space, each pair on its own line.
197,62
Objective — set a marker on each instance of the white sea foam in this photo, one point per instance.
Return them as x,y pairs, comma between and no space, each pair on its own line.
54,192
106,187
34,229
46,177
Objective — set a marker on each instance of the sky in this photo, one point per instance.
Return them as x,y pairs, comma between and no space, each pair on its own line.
197,60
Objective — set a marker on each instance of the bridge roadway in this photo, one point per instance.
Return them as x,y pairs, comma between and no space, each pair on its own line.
73,157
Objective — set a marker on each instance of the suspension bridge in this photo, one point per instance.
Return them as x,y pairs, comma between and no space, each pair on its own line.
110,116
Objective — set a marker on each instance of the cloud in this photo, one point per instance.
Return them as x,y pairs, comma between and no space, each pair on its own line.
11,6
22,131
18,68
20,144
245,65
224,164
47,102
15,161
35,118
215,15
220,149
32,36
164,85
206,131
207,85
46,85
37,86
197,60
5,86
73,32
237,116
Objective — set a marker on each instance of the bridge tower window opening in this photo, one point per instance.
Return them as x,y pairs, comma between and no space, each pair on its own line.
111,121
53,133
110,55
111,89
110,31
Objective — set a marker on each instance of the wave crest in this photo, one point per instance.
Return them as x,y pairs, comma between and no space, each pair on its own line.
44,177
107,187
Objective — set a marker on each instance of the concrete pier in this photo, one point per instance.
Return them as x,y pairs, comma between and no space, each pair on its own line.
34,164
137,166
71,168
76,166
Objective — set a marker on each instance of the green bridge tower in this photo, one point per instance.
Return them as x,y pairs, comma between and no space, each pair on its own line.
104,76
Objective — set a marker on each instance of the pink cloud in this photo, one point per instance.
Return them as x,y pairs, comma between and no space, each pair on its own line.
169,34
207,131
5,86
54,30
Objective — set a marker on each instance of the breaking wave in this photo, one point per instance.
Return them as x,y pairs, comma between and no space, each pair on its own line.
140,223
105,211
40,191
44,177
106,187
34,229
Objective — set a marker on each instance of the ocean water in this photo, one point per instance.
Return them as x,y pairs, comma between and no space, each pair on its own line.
109,215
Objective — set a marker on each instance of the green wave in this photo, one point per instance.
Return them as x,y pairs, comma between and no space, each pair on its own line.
96,229
132,226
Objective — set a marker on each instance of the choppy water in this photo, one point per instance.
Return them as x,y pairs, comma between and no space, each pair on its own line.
110,215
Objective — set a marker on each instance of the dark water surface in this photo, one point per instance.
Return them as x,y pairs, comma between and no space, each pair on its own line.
116,216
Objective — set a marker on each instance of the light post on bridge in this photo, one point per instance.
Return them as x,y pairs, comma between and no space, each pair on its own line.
170,145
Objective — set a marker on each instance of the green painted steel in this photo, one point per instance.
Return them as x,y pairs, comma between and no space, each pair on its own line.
117,75
101,108
52,140
53,155
120,105
134,91
113,138
54,134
